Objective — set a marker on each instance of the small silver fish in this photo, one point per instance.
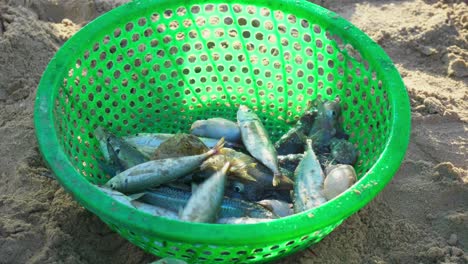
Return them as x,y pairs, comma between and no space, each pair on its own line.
205,202
216,128
127,155
339,179
156,172
308,182
278,207
242,220
175,199
130,201
257,142
147,143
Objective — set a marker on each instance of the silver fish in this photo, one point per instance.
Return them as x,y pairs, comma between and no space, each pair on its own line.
242,220
257,142
308,182
216,128
278,207
205,202
127,155
174,199
147,143
130,201
156,172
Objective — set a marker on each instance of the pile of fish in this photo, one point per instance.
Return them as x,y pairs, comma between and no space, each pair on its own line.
231,172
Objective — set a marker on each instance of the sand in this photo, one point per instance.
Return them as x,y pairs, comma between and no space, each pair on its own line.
420,217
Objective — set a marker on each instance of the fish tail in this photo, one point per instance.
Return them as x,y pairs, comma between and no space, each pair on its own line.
279,177
241,165
217,148
309,143
226,167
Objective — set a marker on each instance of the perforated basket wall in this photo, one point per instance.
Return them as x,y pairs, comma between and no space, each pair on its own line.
156,66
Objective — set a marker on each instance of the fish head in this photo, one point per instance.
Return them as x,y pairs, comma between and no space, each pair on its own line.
116,183
246,114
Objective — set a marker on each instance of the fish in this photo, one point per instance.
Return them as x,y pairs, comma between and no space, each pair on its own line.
112,146
260,189
256,141
174,199
339,178
325,125
309,179
242,220
240,170
216,128
156,172
131,202
291,142
110,165
343,151
147,143
278,207
205,202
179,145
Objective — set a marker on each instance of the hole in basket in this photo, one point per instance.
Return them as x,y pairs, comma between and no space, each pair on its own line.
129,26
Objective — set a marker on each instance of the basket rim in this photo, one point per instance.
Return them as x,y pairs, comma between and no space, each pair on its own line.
280,230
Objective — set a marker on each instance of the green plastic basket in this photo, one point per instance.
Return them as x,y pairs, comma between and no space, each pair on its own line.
159,65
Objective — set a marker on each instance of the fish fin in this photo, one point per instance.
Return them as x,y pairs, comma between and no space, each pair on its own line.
309,143
240,165
217,148
278,178
136,196
265,204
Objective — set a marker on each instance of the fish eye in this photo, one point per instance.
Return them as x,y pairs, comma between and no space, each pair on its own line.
249,110
238,187
117,150
112,186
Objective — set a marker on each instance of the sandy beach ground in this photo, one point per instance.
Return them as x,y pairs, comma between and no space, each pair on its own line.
420,217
